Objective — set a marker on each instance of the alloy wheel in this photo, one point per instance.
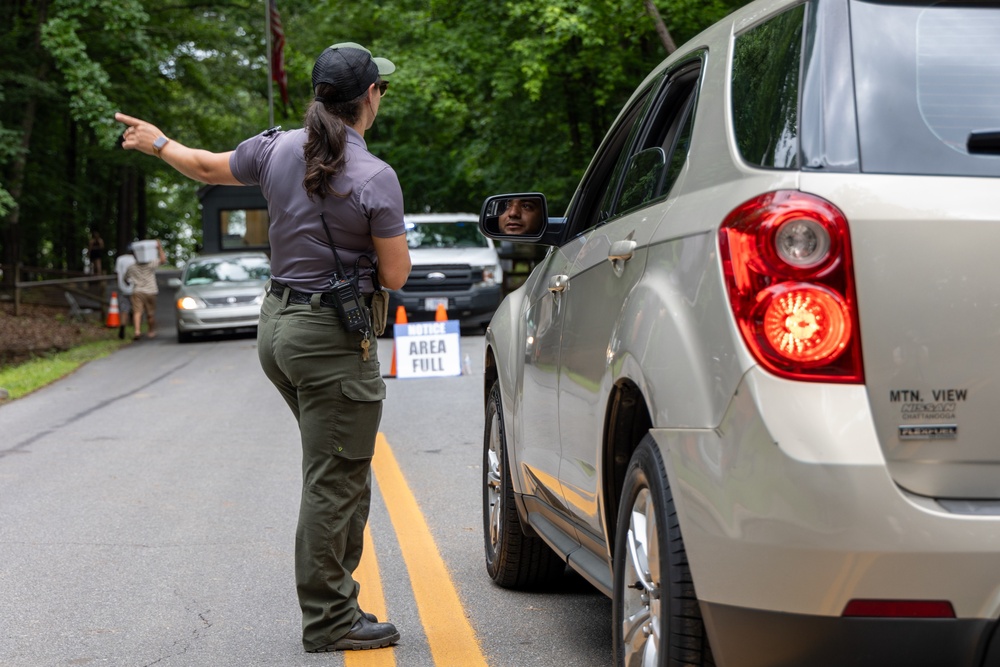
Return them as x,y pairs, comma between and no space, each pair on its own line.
641,597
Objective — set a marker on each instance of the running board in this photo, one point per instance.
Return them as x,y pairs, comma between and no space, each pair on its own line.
592,568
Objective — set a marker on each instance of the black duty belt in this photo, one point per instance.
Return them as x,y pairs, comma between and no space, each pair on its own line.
294,296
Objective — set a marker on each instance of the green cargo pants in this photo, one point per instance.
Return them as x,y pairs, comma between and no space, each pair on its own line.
336,398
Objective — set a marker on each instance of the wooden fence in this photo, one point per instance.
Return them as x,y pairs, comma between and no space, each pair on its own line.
61,289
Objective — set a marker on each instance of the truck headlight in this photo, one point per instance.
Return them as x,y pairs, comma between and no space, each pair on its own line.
489,274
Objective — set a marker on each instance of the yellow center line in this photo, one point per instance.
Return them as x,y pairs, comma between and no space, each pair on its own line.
452,641
372,600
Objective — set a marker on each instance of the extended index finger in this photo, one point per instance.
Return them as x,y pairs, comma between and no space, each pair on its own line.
128,120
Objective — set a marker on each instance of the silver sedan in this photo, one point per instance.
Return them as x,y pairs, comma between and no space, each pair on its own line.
220,292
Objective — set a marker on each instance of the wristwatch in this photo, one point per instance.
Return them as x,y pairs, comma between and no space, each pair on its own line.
159,144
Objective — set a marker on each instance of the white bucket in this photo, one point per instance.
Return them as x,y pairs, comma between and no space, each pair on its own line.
144,251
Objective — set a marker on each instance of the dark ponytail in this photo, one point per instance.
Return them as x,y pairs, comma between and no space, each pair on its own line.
327,140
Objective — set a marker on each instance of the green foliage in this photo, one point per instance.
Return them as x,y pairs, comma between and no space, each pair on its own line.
488,97
73,38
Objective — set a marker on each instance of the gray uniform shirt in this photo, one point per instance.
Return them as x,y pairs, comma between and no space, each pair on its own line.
300,252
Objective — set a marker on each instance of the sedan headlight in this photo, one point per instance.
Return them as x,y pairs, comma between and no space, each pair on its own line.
190,303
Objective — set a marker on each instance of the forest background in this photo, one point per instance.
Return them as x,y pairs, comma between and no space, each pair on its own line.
488,96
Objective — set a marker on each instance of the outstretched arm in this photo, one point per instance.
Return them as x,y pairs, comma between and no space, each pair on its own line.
201,165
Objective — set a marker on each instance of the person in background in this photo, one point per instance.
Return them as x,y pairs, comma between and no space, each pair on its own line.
95,250
122,262
142,277
327,197
522,216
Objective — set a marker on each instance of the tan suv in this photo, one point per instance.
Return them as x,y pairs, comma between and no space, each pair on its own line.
752,393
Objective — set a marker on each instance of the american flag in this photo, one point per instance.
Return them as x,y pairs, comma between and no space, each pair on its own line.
278,53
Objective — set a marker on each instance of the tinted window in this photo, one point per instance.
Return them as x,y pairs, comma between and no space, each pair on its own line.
682,144
642,178
662,144
592,204
765,89
617,155
926,75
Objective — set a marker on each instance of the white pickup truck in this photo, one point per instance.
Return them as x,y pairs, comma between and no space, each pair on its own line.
454,265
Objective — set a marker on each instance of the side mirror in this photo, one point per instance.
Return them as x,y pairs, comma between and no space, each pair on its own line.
520,216
173,283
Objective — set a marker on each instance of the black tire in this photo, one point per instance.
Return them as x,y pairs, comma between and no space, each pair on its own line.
653,600
513,559
183,337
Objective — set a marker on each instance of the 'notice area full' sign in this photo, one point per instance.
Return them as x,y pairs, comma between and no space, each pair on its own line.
427,349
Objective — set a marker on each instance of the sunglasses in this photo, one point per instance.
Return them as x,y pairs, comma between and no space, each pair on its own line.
382,85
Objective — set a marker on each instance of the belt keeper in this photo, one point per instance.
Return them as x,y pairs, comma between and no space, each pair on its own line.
314,301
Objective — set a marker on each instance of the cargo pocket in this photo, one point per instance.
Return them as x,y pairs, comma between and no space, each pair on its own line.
357,424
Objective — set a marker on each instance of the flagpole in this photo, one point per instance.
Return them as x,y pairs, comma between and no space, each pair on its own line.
270,81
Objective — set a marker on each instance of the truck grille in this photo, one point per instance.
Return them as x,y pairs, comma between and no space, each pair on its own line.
457,278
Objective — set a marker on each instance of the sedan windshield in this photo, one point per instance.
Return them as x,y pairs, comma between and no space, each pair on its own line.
235,270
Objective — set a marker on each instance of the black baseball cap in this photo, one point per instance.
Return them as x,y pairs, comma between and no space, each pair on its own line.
350,69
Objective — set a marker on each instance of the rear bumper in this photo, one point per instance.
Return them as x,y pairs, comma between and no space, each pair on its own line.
771,639
788,513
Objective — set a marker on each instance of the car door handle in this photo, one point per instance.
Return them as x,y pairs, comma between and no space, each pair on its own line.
558,283
621,252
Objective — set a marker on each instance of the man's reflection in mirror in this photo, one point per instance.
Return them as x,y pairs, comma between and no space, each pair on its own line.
522,216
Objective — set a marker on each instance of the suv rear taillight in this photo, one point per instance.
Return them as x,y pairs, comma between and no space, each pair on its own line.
786,256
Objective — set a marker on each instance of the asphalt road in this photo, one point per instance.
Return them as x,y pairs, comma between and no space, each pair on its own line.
147,517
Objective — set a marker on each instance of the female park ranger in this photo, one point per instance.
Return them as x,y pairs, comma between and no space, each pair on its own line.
326,194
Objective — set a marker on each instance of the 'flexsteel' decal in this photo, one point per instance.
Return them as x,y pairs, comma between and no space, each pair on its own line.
928,432
918,407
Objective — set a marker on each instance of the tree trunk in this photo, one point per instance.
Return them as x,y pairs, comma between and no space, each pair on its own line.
140,208
125,199
72,260
12,232
123,232
661,27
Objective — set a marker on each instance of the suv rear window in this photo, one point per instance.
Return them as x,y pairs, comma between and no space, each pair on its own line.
926,76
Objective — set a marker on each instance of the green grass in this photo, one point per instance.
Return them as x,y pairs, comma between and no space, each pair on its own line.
32,375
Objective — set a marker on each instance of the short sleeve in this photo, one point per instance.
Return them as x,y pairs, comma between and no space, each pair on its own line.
381,199
247,160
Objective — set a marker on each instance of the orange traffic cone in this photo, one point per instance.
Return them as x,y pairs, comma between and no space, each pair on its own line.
441,315
114,317
400,319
